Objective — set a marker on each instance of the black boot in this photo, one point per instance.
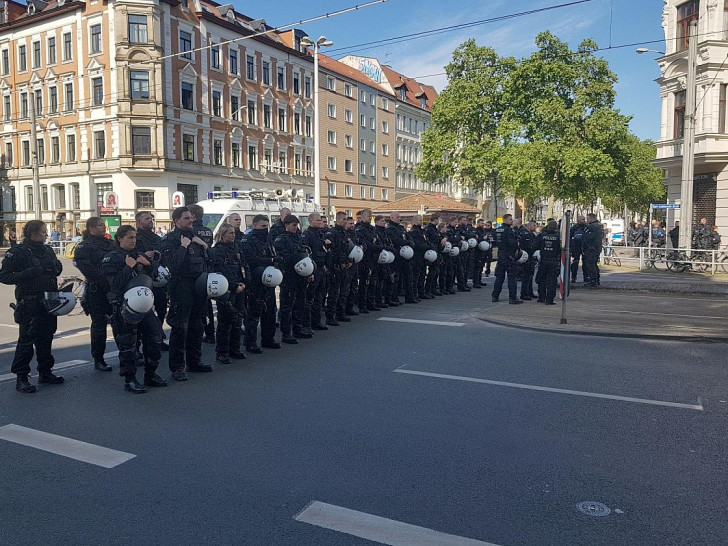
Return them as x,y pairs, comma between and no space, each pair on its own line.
153,380
288,338
102,366
24,385
223,359
133,386
50,379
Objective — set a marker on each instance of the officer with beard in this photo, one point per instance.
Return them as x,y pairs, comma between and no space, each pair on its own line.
384,271
314,238
433,269
527,241
339,265
365,235
548,243
87,258
260,308
402,267
203,232
149,243
592,247
507,243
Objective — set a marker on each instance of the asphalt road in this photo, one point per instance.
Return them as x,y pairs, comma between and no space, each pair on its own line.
441,427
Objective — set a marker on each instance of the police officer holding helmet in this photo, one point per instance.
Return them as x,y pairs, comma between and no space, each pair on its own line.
149,243
205,233
548,244
128,273
33,268
507,244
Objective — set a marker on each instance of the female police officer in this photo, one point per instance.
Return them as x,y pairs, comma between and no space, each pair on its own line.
33,268
128,273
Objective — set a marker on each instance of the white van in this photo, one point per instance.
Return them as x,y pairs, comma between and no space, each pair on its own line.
617,227
248,204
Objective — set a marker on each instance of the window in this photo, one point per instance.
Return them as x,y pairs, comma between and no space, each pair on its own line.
281,80
95,39
385,149
44,197
267,157
139,84
349,116
137,29
217,152
38,102
235,108
348,165
251,113
385,194
188,144
679,129
29,197
6,62
185,44
8,154
363,145
371,99
67,47
371,193
385,172
283,162
267,117
308,126
40,150
297,123
349,141
307,86
372,124
385,103
216,103
250,67
363,192
252,157
100,144
331,137
144,200
297,164
235,153
309,165
70,148
36,54
423,102
98,91
52,100
22,59
721,109
331,163
69,97
348,190
189,191
348,90
363,120
372,171
215,57
363,96
331,110
686,13
372,147
330,83
187,96
403,93
282,119
24,105
26,155
55,149
233,60
296,83
266,72
332,189
385,127
363,168
141,140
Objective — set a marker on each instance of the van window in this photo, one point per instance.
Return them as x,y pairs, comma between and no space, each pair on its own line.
248,221
211,221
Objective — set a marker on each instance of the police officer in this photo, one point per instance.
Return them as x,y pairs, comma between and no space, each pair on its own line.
365,235
204,233
490,237
87,258
353,295
592,248
526,242
339,265
466,231
402,285
447,269
479,255
384,271
279,227
505,240
121,267
185,255
149,243
420,246
289,246
226,258
33,268
316,291
260,307
576,235
548,243
433,269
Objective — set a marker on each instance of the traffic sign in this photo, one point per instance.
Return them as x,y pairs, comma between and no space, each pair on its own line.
665,206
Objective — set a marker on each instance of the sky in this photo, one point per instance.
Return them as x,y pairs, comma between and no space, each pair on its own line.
608,22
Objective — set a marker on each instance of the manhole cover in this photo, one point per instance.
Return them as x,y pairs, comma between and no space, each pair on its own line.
593,508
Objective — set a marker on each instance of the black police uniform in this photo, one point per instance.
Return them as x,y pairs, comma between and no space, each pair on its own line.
206,235
87,258
466,233
227,259
507,244
384,271
316,291
33,268
339,278
147,241
353,296
575,248
118,274
433,268
402,285
366,298
548,242
293,288
490,237
260,306
526,242
454,271
446,268
420,245
592,248
478,258
277,229
675,237
187,308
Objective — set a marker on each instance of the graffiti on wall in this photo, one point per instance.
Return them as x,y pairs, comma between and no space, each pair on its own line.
371,70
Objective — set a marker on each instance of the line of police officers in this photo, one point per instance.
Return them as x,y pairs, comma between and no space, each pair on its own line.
326,275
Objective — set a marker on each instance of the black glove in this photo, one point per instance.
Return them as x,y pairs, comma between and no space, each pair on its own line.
277,261
34,271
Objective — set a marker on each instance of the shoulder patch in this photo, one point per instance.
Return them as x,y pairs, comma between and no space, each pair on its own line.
9,254
106,259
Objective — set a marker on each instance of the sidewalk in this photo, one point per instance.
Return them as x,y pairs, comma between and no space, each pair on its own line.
622,278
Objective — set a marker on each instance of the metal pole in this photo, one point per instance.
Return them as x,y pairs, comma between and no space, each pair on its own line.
566,261
34,157
688,167
316,123
649,232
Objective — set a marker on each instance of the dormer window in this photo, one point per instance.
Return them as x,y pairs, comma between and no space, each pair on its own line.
423,102
403,93
31,9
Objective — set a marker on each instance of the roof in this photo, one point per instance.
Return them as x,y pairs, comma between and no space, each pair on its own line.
431,202
415,89
352,73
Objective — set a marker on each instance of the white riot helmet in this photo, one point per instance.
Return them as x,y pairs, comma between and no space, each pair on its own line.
356,253
390,257
537,255
523,258
431,256
138,302
271,277
217,285
454,251
406,252
447,248
472,242
60,303
464,246
161,279
484,246
304,266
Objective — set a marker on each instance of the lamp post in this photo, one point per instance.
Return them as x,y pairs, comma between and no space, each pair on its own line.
322,41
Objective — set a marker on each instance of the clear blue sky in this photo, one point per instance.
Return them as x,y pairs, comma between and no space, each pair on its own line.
633,21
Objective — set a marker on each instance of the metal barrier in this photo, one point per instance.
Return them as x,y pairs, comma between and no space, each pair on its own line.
679,260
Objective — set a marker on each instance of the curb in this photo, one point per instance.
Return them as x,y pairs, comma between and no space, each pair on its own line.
602,333
658,290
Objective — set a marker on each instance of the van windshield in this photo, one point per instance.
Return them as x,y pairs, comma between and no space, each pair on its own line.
211,221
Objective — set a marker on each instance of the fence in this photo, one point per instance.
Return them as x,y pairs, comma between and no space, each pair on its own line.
679,260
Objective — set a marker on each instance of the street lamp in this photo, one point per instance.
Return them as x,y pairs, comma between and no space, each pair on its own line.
641,50
322,41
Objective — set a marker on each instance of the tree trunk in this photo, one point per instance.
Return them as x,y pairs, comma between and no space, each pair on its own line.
550,209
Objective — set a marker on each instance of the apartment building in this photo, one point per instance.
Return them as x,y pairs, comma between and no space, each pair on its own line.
710,191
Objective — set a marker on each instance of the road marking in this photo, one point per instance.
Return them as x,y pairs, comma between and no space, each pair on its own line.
657,314
378,529
66,447
63,365
698,407
10,326
413,321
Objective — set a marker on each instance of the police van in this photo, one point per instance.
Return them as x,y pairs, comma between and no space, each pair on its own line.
250,203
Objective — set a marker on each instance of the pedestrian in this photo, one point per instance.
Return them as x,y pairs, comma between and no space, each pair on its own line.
507,244
129,276
592,248
88,259
33,268
203,232
576,235
339,265
149,244
548,244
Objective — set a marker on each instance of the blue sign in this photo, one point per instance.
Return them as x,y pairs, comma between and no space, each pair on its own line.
664,206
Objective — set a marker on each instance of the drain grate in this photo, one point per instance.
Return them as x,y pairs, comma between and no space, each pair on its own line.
594,508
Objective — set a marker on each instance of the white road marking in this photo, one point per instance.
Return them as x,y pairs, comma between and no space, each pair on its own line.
698,406
66,447
413,321
63,365
378,529
9,326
